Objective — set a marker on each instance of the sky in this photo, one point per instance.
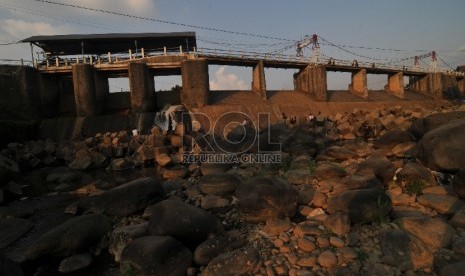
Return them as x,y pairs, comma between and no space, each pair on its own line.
358,28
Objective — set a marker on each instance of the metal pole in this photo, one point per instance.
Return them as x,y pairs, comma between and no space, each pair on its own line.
82,49
32,54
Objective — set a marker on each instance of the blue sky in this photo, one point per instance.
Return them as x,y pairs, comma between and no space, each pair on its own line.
413,26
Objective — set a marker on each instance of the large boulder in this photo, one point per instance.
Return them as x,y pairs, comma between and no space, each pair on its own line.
459,183
327,170
126,199
9,267
13,228
243,261
215,246
406,251
415,172
442,149
70,237
422,126
264,198
455,269
155,255
362,205
378,166
184,222
219,183
434,232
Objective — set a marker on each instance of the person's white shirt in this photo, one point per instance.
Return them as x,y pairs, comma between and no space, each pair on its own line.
135,132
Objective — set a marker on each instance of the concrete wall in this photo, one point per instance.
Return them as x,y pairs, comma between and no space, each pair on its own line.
89,90
19,92
258,80
461,86
313,81
195,83
142,87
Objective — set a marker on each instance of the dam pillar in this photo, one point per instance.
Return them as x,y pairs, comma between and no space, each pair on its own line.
461,86
195,83
396,84
258,80
359,83
434,85
142,88
312,80
85,93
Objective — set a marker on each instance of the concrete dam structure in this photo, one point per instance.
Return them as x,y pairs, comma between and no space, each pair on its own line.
79,84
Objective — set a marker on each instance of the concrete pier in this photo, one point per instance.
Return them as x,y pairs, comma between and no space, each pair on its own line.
395,84
88,100
195,83
142,87
359,83
258,80
312,80
461,86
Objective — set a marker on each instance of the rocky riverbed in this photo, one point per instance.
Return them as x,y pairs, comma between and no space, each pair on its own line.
371,192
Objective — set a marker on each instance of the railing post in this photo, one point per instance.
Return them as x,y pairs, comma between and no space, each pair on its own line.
22,62
57,62
77,60
164,50
130,54
36,63
66,62
142,52
180,49
47,63
91,59
99,61
109,57
195,50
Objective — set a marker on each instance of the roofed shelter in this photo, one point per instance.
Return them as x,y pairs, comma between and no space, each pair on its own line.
77,44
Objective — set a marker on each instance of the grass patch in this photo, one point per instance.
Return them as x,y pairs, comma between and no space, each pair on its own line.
415,187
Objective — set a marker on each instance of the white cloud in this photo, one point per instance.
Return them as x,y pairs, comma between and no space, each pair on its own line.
136,7
23,29
227,81
462,48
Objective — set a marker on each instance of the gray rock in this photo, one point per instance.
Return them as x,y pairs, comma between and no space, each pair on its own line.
155,255
212,202
362,206
363,181
455,269
12,229
264,198
215,246
458,220
403,250
219,184
458,183
122,236
405,211
442,148
70,237
434,232
458,245
378,166
75,263
126,199
186,223
243,261
424,125
176,171
63,175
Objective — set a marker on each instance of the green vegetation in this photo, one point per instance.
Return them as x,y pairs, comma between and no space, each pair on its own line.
415,187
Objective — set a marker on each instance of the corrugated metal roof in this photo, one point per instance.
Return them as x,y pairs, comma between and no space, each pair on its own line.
74,44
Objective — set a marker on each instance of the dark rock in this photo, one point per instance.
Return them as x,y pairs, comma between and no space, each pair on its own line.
306,195
458,245
405,211
13,228
215,246
155,255
403,250
442,148
264,198
455,269
416,172
126,199
422,126
219,184
243,261
338,153
8,168
70,237
75,263
362,206
327,170
208,168
458,183
186,223
9,268
458,220
378,166
432,231
122,236
363,181
63,175
393,138
212,202
16,211
176,184
299,176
